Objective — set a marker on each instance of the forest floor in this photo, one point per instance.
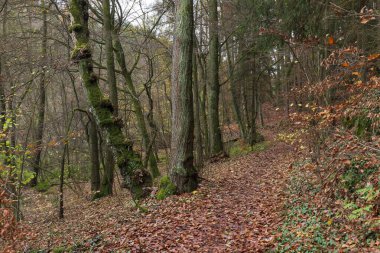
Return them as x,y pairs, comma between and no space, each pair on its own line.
237,208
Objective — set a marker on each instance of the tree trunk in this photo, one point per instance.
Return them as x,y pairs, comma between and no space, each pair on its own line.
61,182
36,163
234,89
182,172
110,60
107,182
94,155
129,163
137,107
106,186
197,121
202,105
216,144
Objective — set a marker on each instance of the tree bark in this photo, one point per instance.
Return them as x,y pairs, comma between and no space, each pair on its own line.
94,156
129,163
107,181
36,161
182,172
216,144
110,59
198,154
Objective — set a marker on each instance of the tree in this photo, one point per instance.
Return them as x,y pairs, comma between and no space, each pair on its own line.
138,108
182,171
107,182
136,177
94,154
216,144
36,163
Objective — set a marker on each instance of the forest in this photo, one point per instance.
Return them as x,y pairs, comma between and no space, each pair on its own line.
189,126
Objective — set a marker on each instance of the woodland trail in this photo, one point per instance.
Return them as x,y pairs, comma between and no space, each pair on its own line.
236,209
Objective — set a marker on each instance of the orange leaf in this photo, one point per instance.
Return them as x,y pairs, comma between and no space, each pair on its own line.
373,57
331,41
366,19
345,64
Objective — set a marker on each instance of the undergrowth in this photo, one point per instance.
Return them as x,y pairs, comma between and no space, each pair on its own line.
339,219
240,149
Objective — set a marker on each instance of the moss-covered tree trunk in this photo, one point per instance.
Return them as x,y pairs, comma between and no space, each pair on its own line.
216,144
182,172
129,163
107,180
137,107
36,161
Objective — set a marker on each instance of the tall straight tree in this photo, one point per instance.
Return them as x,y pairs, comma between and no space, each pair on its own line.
36,163
129,163
216,144
107,181
182,171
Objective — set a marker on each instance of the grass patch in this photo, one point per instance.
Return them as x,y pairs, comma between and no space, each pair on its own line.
43,186
240,149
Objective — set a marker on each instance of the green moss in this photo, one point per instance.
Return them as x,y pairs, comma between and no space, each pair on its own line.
239,149
167,188
105,122
81,51
75,28
259,147
59,249
74,9
361,125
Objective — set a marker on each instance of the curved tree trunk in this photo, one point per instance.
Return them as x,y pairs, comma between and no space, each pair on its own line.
129,163
138,109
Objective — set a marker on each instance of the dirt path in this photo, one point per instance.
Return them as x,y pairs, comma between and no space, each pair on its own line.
236,209
236,212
